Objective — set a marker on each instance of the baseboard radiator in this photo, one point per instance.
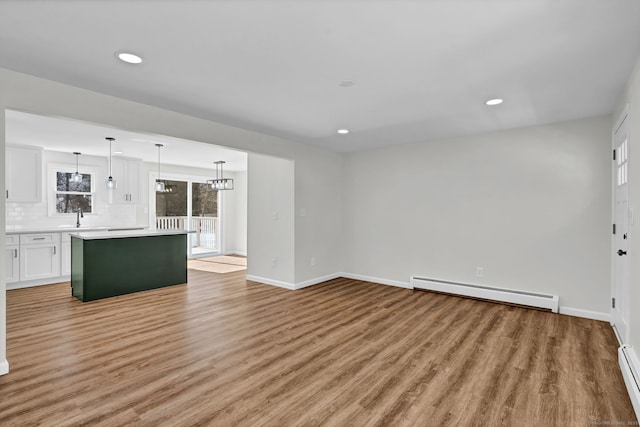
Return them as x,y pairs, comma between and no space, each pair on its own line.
630,375
530,299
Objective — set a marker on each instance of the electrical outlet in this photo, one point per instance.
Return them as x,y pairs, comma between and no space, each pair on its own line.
276,215
303,212
312,261
274,262
479,271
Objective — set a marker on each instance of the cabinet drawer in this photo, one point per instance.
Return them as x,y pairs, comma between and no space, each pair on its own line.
12,239
26,239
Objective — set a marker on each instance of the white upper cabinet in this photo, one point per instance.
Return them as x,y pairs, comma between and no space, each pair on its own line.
125,172
23,170
133,169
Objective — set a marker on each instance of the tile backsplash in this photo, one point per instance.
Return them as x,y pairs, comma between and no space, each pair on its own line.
35,215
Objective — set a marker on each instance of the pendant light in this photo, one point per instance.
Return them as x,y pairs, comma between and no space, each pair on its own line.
159,184
76,176
220,182
110,182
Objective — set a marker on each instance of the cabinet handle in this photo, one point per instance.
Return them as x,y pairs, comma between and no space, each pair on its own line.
54,250
7,194
39,238
15,253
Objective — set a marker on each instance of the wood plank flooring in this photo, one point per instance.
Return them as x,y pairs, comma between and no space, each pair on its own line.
224,351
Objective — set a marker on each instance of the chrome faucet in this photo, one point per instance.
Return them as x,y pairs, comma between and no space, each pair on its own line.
79,215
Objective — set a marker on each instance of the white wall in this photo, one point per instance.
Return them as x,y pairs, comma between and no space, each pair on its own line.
39,96
235,224
319,198
531,206
270,217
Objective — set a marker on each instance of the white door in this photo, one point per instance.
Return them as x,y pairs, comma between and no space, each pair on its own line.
620,292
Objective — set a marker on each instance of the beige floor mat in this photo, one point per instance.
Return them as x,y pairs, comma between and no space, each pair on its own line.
233,260
214,267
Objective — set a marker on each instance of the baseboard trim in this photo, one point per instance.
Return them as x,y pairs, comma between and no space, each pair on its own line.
239,253
37,282
271,282
317,280
578,312
378,280
630,367
322,279
4,367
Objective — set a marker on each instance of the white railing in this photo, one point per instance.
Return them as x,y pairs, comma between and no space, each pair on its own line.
205,227
171,222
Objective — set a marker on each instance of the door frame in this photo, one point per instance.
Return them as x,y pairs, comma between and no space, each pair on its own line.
624,115
153,176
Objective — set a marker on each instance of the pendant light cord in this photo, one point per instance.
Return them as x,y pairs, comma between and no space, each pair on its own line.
159,147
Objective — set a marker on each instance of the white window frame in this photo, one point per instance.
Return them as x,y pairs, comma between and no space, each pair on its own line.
52,190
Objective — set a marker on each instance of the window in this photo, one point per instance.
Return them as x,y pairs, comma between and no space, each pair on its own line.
622,168
72,196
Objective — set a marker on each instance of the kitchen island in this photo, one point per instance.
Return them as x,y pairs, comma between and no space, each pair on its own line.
109,263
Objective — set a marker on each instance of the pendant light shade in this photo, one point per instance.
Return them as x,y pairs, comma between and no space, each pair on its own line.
110,183
76,176
220,182
159,184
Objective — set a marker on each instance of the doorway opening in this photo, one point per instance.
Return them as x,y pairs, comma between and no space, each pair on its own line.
190,204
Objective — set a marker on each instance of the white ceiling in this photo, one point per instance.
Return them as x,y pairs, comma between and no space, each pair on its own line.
422,69
89,139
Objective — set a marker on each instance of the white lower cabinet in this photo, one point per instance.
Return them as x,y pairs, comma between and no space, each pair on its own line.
39,256
12,259
12,264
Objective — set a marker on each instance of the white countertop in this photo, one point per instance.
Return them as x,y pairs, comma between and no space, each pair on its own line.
66,229
105,234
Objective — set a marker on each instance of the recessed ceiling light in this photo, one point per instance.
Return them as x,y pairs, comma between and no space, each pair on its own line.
129,57
343,131
346,83
494,101
118,152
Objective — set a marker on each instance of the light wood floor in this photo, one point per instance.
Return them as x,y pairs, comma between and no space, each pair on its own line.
223,351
